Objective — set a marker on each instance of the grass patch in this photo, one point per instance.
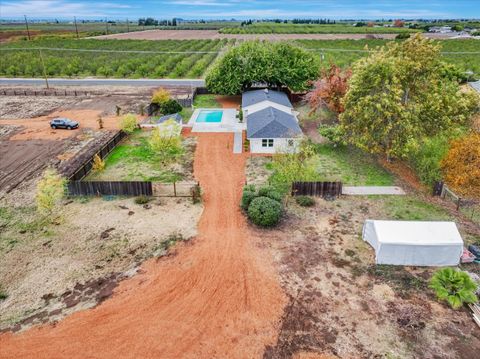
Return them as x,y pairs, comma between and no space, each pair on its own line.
412,209
134,160
351,166
206,101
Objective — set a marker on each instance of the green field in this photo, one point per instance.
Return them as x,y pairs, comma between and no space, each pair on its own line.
463,53
117,59
289,28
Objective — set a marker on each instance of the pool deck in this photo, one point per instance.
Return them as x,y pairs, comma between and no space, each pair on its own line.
229,121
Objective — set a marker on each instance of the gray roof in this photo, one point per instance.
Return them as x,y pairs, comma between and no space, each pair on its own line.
157,120
476,85
272,123
256,96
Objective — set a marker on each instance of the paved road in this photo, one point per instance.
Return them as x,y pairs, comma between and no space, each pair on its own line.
99,82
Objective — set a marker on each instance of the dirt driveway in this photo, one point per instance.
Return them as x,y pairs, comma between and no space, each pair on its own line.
217,298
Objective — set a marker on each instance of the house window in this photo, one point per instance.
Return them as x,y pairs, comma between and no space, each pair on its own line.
290,143
267,142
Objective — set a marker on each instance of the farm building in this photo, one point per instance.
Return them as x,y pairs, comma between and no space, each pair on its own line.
272,124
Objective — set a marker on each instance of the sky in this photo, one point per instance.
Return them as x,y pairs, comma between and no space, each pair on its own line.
240,9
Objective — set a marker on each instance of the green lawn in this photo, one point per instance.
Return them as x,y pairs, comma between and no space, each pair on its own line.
206,101
350,166
134,160
410,208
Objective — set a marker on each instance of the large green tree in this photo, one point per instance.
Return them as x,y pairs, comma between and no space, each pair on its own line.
399,95
275,64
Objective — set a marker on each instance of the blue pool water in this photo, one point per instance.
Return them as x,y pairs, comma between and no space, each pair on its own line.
210,116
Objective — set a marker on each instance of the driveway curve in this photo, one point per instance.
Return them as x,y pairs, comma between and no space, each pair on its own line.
219,297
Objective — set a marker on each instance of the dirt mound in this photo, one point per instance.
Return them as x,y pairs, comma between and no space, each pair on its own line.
218,298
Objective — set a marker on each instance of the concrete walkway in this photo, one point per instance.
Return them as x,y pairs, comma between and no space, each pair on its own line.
372,190
237,142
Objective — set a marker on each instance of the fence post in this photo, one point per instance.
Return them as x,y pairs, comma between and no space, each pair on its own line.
174,189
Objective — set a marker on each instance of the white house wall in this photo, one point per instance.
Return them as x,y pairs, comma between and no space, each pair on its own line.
280,145
263,105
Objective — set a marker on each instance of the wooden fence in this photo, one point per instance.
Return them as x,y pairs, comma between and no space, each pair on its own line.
318,189
22,92
85,168
109,188
131,188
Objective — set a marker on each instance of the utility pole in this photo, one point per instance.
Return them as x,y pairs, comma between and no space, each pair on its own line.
76,28
26,24
44,69
106,26
128,26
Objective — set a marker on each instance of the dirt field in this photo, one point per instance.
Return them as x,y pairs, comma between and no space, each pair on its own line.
214,34
52,271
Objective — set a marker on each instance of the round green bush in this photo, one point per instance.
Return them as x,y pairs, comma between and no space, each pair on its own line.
249,187
305,201
142,200
247,198
270,192
265,212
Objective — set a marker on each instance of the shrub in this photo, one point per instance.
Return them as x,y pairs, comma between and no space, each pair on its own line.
454,287
403,36
142,200
98,164
3,294
169,107
50,190
426,158
166,141
264,211
160,96
305,201
461,165
247,198
249,187
128,123
270,192
196,194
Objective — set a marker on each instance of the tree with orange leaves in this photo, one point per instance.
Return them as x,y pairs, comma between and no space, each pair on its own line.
461,166
330,89
398,23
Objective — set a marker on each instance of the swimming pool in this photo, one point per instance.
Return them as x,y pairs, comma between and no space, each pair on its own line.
209,116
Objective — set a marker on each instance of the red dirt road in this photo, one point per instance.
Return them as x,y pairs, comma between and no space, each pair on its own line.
217,298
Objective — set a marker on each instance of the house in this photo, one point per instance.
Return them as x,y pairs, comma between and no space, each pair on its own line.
272,124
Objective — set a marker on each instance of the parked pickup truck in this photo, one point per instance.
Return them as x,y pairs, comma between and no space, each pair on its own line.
63,123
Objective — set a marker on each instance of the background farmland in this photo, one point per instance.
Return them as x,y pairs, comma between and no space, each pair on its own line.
178,58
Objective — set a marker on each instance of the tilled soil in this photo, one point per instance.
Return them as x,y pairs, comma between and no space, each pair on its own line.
218,298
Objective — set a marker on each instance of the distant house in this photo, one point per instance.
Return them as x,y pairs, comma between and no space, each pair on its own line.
440,29
272,124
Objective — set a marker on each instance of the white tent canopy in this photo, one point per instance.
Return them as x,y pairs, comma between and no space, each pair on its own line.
414,243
